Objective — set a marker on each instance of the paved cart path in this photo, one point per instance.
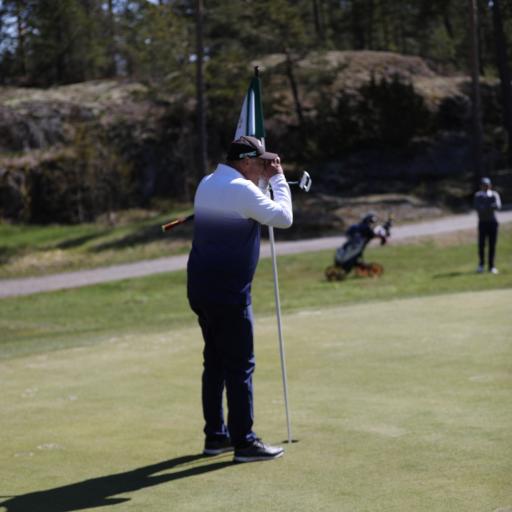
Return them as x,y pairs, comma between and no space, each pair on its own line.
28,285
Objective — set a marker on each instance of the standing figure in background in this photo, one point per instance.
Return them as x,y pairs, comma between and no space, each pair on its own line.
486,202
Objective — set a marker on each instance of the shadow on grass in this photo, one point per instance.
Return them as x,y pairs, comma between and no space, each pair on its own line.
78,241
454,274
5,254
100,492
142,236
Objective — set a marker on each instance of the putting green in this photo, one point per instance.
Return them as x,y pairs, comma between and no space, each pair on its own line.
398,406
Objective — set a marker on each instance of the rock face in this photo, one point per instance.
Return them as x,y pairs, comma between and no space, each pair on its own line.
68,154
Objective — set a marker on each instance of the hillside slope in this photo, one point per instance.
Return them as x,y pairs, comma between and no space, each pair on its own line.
370,123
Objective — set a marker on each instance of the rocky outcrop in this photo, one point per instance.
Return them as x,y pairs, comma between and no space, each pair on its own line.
373,122
70,153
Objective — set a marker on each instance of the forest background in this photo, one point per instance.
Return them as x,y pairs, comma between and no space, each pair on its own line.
108,105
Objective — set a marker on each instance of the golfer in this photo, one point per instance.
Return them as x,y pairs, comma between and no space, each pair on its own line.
229,209
486,202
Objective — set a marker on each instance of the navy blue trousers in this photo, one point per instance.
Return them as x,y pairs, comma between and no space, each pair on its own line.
487,231
228,362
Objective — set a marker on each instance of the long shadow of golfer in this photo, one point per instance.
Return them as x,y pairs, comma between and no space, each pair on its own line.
100,492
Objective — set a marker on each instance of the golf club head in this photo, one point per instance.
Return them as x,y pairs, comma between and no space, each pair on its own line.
305,182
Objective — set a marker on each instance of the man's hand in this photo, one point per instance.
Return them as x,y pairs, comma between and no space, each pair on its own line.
271,168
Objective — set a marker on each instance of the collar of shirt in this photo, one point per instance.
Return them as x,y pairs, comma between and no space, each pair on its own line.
226,170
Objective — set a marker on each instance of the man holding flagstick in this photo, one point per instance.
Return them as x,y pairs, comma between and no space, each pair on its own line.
229,209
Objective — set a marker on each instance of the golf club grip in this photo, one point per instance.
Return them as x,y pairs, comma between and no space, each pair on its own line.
177,222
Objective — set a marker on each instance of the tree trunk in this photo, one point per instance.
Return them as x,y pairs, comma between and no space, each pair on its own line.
475,89
89,69
370,23
59,62
202,161
404,47
385,25
21,39
295,90
358,34
448,25
112,46
318,21
502,62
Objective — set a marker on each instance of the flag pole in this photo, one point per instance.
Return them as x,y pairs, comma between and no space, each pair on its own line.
280,330
278,314
251,123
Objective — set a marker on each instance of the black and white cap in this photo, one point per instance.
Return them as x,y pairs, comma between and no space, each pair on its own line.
248,147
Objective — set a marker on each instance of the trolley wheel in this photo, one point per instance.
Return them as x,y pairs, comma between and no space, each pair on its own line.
362,270
375,270
334,273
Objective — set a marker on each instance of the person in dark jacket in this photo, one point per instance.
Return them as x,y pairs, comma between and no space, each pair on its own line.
229,209
486,202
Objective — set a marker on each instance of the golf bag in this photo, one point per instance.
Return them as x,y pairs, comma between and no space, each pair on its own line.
349,256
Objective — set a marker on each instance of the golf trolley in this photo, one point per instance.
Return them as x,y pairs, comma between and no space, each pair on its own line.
349,256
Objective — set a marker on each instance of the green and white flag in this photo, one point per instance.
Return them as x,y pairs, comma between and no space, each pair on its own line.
250,121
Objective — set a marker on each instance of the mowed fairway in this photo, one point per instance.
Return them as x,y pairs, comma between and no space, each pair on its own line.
402,405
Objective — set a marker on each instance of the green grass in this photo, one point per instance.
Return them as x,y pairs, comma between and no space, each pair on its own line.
398,405
37,250
399,392
49,321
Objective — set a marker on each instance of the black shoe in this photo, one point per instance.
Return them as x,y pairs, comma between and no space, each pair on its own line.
217,445
257,450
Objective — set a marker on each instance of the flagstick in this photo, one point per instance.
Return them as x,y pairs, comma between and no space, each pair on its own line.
280,330
251,123
278,315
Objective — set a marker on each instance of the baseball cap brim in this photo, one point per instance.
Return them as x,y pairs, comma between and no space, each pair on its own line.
249,147
269,156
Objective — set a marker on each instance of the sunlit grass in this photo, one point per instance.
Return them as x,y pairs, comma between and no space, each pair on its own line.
128,236
88,315
399,405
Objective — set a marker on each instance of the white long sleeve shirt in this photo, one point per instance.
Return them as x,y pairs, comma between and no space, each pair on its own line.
229,210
